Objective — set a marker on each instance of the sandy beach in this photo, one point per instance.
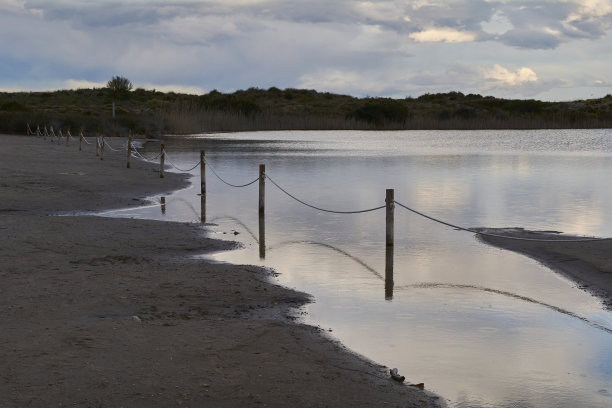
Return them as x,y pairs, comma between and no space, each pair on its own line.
101,312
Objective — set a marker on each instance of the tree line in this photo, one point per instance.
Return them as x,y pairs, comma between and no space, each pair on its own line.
154,113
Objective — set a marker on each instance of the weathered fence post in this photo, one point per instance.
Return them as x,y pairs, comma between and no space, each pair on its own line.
163,205
202,174
162,160
390,204
81,140
262,188
97,144
102,143
202,186
129,149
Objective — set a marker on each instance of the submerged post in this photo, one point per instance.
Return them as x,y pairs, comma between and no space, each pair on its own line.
129,149
162,158
390,204
262,188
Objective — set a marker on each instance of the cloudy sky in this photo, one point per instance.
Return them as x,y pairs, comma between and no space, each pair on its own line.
548,50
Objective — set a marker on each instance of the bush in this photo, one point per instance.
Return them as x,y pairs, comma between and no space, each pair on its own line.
119,86
382,111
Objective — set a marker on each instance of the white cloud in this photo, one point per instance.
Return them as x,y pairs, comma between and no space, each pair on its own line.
443,34
499,76
83,83
497,24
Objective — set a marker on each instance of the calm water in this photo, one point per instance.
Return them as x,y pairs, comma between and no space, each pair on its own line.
480,326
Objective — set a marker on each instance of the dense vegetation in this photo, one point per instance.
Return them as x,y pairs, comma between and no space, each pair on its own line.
153,113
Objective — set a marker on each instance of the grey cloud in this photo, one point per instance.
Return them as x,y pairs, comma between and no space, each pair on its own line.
527,38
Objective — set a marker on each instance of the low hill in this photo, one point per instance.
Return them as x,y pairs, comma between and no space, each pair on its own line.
154,113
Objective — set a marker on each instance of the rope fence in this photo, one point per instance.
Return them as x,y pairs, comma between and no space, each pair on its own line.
162,156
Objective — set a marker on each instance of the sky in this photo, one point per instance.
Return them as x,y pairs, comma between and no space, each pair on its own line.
546,50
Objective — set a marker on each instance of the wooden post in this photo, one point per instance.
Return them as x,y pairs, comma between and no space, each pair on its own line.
67,137
162,158
102,143
202,186
390,201
202,174
163,205
97,145
262,188
81,141
129,149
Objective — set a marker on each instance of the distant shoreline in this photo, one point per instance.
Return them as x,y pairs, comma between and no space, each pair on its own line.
588,263
153,113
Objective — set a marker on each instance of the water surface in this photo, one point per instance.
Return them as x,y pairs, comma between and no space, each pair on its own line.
480,326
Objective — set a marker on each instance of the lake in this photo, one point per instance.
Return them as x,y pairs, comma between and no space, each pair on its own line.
480,326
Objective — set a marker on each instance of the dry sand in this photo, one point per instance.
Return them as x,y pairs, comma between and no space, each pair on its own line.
100,312
586,262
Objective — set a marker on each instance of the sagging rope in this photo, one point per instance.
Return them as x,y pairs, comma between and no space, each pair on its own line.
84,138
111,147
31,132
460,228
101,142
230,184
173,165
319,208
134,149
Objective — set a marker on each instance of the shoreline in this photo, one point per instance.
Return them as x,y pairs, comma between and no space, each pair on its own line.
587,263
115,312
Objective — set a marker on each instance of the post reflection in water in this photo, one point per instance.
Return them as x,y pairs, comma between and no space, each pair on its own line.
389,272
203,208
262,236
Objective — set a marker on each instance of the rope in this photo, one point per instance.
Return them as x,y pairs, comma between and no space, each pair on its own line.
110,147
225,182
457,227
322,209
84,138
70,136
134,149
177,168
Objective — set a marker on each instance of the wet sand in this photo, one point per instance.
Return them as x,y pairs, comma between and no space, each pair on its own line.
101,312
588,263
